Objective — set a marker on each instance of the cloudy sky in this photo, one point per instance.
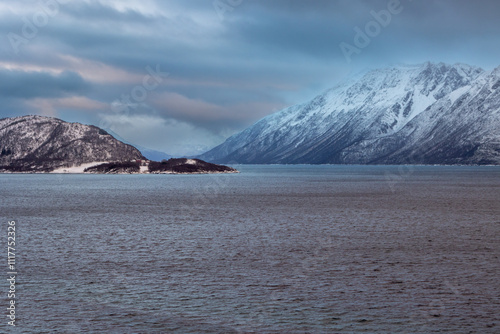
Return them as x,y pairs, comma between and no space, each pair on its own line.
181,76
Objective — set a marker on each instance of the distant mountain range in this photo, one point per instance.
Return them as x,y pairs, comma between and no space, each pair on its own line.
147,152
422,114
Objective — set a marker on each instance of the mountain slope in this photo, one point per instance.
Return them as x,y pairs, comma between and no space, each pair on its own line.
462,128
383,117
37,143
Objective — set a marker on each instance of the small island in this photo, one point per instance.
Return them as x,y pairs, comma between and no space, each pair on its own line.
171,166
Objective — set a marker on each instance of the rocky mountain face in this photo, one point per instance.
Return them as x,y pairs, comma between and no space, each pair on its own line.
42,144
422,114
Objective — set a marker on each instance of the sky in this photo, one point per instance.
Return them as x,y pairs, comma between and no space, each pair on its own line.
181,76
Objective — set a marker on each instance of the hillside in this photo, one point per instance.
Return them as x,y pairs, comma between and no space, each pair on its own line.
42,144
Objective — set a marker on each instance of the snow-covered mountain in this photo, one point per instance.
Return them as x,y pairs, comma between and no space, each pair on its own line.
37,143
425,114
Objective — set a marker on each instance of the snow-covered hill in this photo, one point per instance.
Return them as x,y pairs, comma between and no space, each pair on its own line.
429,114
37,143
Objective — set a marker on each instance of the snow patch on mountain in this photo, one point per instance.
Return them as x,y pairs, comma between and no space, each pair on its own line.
77,169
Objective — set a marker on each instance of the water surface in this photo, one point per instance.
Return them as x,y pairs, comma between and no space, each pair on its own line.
275,249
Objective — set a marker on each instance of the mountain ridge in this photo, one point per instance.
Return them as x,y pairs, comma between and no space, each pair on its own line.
366,119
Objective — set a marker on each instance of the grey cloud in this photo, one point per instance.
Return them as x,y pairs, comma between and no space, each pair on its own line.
28,85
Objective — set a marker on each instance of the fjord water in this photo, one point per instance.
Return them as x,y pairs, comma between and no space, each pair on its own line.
275,249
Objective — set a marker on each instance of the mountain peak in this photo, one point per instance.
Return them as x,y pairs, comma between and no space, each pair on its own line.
496,71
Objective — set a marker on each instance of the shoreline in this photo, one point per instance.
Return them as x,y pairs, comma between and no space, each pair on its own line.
180,166
145,173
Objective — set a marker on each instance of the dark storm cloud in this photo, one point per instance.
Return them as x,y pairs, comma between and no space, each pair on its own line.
422,30
227,69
